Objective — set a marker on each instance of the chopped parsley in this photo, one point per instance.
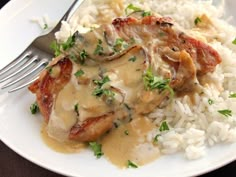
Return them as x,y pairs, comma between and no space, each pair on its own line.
133,58
155,140
99,48
60,47
232,95
56,47
226,112
131,164
234,41
210,101
126,132
79,73
76,108
132,8
197,20
164,126
34,108
83,55
99,91
120,44
101,82
152,82
45,26
146,13
49,69
97,149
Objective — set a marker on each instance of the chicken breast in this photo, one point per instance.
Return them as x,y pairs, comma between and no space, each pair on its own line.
116,72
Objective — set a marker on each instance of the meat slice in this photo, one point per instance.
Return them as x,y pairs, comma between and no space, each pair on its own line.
124,51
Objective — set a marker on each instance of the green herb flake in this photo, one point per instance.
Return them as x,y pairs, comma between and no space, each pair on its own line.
83,55
197,20
70,42
232,95
210,101
99,48
234,41
164,126
225,112
101,82
155,140
79,73
49,69
131,164
76,108
34,108
152,82
146,13
126,132
56,48
133,59
45,26
60,47
132,8
97,149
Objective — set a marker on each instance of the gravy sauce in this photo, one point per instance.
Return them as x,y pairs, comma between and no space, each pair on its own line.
68,146
129,142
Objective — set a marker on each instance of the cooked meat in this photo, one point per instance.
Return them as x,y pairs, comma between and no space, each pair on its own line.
127,68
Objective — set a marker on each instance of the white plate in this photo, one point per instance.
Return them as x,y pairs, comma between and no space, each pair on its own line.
21,131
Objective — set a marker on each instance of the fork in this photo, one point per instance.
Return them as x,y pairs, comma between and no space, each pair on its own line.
25,69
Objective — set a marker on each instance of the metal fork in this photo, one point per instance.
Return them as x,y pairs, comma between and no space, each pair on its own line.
25,69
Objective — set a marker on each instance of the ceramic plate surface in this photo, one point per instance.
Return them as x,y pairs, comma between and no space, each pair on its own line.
21,131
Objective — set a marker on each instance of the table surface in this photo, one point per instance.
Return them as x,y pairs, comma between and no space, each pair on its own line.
13,165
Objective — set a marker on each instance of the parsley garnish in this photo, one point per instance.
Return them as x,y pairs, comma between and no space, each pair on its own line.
226,112
234,41
99,91
126,132
155,140
152,82
164,126
59,48
133,58
210,101
131,164
76,108
119,45
34,108
56,47
146,13
197,20
97,149
83,55
101,82
232,95
99,48
79,73
133,8
45,26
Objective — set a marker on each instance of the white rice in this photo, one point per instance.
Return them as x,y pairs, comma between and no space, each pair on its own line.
193,126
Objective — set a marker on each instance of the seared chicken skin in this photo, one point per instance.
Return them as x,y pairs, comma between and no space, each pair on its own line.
118,71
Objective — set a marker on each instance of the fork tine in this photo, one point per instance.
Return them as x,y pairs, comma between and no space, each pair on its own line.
15,62
22,68
24,85
36,67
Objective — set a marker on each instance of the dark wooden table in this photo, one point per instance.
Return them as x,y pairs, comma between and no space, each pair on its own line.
13,165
